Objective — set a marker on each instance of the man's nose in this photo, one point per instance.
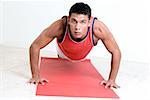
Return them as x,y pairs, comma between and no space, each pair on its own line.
77,26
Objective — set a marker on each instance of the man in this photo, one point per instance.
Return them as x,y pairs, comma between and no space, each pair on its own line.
76,34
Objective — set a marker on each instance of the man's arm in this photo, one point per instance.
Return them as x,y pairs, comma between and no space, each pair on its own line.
103,33
54,30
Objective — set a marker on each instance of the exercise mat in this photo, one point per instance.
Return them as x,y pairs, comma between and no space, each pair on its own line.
71,79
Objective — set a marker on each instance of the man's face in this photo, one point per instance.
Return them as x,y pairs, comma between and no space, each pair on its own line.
78,25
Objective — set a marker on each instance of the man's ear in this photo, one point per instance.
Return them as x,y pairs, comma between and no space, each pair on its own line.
89,23
68,19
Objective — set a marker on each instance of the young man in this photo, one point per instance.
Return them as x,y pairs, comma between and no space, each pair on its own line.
76,34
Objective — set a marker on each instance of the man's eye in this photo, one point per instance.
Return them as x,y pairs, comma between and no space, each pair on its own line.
73,21
83,22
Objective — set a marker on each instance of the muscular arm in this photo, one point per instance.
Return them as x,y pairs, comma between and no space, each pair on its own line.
102,32
53,31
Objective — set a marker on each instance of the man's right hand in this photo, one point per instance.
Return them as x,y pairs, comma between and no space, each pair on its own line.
38,80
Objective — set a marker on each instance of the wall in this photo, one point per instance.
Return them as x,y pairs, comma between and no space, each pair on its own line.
1,21
126,19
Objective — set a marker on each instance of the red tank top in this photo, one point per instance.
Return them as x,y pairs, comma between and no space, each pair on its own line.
77,50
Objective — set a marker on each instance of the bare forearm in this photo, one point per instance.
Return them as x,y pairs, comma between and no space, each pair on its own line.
34,60
115,63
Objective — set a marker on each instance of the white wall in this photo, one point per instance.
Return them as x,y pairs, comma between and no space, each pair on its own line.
1,20
126,19
23,21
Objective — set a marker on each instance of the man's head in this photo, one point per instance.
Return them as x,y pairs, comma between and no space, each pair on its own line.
79,16
80,8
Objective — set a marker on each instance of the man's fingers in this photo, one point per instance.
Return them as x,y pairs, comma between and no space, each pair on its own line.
103,82
112,86
35,83
45,80
116,86
107,85
31,81
38,81
41,82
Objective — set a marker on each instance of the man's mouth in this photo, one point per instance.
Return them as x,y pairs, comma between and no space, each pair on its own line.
78,35
77,32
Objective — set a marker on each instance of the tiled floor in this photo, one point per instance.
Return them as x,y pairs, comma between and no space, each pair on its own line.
133,77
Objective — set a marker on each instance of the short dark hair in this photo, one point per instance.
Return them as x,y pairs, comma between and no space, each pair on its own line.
80,8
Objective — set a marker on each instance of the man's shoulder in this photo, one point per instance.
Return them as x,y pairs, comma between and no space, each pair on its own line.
100,29
98,24
57,28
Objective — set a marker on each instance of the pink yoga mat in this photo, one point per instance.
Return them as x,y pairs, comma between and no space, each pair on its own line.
71,79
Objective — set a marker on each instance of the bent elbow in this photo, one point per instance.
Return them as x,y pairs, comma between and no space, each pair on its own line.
33,47
116,53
